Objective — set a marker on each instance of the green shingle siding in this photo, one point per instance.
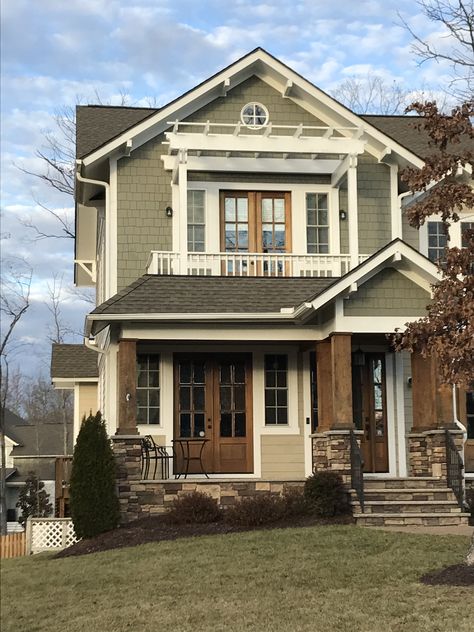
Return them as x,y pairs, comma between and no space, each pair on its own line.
373,183
389,293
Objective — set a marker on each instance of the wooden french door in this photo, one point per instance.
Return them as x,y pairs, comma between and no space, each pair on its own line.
255,221
213,400
370,410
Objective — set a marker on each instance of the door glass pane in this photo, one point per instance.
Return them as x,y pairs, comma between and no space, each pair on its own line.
243,238
242,210
279,210
226,425
229,205
279,243
199,430
239,395
267,210
230,238
185,373
240,425
226,397
267,236
199,373
198,398
185,425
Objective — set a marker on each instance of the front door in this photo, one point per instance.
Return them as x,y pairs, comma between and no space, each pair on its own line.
255,222
370,410
213,401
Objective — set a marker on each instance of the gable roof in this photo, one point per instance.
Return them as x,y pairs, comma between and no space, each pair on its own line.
73,361
43,439
148,123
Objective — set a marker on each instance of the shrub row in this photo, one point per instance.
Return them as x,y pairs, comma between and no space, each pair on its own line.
324,495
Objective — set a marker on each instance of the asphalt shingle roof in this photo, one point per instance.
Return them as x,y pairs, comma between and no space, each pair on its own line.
209,294
73,361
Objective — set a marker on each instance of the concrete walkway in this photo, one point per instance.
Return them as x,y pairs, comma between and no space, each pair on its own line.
465,530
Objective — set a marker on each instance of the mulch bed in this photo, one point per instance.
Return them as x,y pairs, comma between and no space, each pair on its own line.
456,575
159,529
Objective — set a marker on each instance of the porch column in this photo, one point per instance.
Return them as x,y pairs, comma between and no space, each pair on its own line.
324,385
432,414
183,211
341,378
127,386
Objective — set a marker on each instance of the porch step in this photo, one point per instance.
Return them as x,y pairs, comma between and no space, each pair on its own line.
411,506
408,482
407,501
411,519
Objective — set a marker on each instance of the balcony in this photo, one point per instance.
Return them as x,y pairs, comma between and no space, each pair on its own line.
251,264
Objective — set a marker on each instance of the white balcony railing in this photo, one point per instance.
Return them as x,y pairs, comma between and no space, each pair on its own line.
250,264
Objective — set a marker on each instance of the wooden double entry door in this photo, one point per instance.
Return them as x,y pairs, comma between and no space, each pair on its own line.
213,401
369,402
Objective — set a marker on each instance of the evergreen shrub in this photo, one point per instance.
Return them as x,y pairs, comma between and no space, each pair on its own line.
94,502
326,495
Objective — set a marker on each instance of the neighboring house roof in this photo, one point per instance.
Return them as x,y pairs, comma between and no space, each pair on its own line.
73,361
11,421
207,294
43,439
9,471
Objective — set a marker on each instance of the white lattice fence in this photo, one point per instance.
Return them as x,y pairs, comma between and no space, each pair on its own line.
44,534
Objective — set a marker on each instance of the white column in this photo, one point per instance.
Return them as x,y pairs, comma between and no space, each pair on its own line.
183,212
352,213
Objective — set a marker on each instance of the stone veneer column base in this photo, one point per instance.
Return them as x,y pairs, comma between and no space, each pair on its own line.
427,452
332,452
127,452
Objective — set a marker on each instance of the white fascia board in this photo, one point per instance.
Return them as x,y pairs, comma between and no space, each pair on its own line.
266,68
182,317
66,383
366,270
263,165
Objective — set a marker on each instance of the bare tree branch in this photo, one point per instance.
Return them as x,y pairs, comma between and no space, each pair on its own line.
66,224
372,94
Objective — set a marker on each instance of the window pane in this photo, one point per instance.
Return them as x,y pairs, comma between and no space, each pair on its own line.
229,206
148,388
267,210
185,425
154,416
226,425
276,391
279,206
154,379
270,415
242,210
153,397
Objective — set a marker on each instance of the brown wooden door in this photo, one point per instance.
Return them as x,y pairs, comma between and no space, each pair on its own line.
213,400
255,221
370,411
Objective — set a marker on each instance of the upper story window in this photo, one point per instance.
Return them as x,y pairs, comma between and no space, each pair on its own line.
317,222
437,240
465,226
254,115
148,388
196,221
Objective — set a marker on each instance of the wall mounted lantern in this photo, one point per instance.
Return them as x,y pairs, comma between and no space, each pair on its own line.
169,211
342,215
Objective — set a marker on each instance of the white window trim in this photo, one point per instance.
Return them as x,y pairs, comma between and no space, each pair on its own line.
255,104
298,201
146,429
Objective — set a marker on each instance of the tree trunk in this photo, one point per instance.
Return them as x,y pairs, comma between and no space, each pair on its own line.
470,553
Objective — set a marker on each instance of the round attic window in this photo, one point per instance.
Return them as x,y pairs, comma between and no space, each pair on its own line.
254,115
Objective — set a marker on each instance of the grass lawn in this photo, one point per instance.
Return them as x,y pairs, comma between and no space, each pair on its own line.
340,578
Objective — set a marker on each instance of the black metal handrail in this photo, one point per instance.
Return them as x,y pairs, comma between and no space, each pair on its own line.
455,467
357,470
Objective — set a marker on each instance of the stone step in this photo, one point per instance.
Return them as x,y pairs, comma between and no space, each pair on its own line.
413,506
411,482
411,519
409,493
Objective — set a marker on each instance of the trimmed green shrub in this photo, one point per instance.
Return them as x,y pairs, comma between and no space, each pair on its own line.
194,508
33,500
326,495
253,511
94,502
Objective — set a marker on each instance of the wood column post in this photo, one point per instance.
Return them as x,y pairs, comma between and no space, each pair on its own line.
324,382
341,377
127,387
432,401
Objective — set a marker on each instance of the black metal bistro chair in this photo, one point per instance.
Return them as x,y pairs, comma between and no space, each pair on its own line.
154,455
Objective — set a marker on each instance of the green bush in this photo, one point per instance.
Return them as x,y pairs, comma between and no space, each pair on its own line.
326,495
194,508
94,502
33,500
295,503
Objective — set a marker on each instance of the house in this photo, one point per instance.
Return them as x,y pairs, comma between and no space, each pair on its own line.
42,448
250,254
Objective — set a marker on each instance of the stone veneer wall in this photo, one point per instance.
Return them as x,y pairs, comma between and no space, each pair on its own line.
332,451
141,499
427,452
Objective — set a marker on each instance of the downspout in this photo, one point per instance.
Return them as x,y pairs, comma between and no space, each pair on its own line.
106,185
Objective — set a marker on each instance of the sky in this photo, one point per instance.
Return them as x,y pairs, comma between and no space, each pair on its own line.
56,54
